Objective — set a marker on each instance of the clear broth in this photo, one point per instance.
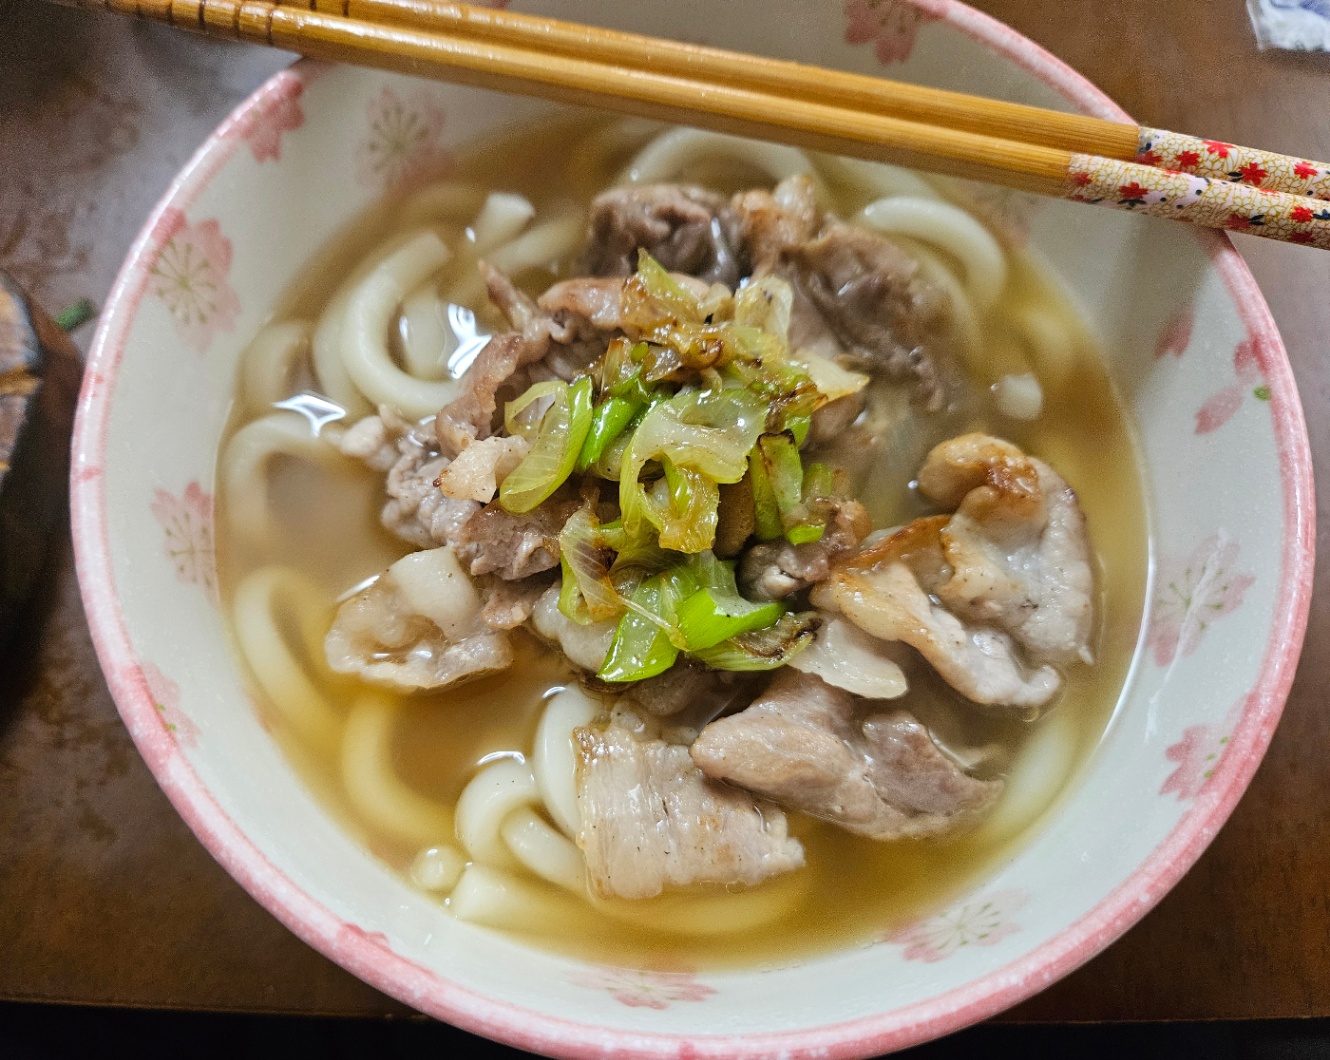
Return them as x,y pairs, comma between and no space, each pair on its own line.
859,889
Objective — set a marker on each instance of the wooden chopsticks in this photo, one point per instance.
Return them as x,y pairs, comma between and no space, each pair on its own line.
1071,156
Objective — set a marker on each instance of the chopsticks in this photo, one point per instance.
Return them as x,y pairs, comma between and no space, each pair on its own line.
1071,156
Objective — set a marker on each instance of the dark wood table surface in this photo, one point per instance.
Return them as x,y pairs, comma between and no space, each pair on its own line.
105,895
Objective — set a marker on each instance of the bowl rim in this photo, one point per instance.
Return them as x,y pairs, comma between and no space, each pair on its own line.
368,956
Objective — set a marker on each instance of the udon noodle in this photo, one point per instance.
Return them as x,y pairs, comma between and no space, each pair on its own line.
470,792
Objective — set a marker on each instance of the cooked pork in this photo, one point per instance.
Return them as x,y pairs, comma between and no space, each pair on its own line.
885,590
417,626
686,228
1017,546
811,747
511,545
650,820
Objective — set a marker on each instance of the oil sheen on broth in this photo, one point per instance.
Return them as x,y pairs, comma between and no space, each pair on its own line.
326,526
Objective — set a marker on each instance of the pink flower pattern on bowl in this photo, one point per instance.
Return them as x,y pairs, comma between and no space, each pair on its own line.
891,25
643,988
187,523
1176,336
262,127
190,275
981,921
166,698
1192,593
1197,755
402,145
1219,409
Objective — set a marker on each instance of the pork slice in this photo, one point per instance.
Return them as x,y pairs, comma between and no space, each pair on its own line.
886,590
777,569
417,511
497,368
855,292
812,747
1017,545
686,228
583,645
511,545
770,223
650,820
417,626
871,297
508,604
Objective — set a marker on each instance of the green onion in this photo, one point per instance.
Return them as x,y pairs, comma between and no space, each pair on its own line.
641,647
611,417
799,426
763,649
819,481
588,594
766,515
562,433
705,621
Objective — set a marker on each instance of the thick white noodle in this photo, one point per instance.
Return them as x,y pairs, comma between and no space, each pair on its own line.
244,468
270,365
446,201
427,340
494,898
438,868
554,756
502,217
963,316
370,313
544,850
949,228
327,344
491,795
375,792
1038,774
272,606
436,586
878,180
720,914
538,247
1051,345
669,154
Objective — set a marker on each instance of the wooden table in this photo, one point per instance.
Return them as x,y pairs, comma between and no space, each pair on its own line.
106,897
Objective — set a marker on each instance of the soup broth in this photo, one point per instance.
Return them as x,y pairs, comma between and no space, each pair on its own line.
392,767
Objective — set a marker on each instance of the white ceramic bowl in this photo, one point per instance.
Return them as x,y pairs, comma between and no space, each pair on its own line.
1228,475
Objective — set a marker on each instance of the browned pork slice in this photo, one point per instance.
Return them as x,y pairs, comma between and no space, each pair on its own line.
417,626
856,293
885,590
812,747
774,570
1017,545
416,510
511,545
510,603
497,368
686,228
870,296
651,821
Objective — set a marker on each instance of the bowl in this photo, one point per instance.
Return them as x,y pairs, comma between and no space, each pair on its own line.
1190,344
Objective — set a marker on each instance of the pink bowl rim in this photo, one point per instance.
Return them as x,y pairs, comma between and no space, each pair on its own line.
367,955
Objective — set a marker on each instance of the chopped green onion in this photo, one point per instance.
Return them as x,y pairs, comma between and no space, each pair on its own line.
641,647
799,426
705,621
805,533
611,417
524,426
763,649
766,515
819,481
563,431
588,593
